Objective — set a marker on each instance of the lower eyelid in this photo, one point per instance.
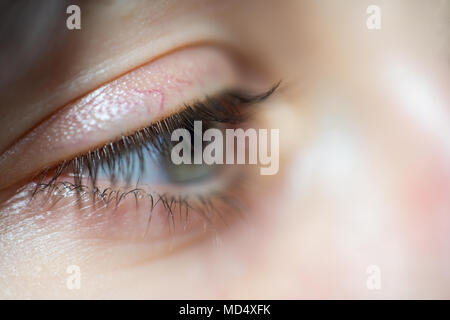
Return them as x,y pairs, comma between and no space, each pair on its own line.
125,215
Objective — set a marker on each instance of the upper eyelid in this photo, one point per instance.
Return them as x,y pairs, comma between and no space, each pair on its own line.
221,73
228,107
63,83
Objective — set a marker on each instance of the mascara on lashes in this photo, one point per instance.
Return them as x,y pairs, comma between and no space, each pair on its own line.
142,153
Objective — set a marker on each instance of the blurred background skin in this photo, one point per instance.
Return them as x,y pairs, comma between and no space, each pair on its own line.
365,152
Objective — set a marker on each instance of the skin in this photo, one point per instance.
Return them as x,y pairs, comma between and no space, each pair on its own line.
364,156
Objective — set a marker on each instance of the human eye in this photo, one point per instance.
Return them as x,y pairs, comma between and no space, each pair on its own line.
102,165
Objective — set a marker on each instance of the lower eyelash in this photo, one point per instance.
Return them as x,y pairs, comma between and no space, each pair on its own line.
208,206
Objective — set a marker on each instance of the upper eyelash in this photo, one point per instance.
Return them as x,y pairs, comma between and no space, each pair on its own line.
229,107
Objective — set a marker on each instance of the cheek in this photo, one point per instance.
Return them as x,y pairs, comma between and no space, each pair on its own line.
248,260
425,198
420,155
